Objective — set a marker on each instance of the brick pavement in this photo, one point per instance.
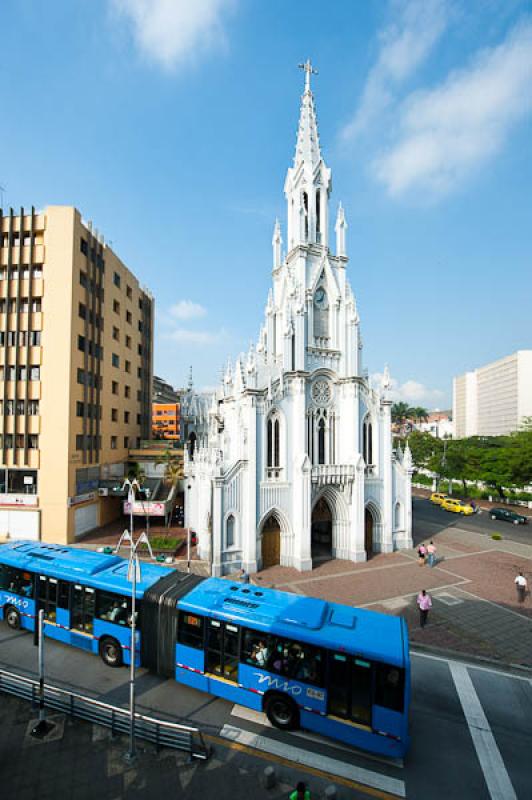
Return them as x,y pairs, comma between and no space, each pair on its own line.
475,609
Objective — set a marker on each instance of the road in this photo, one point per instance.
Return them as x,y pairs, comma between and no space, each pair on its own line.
471,726
429,519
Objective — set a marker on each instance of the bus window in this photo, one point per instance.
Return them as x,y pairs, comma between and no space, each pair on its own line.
190,631
48,597
16,580
62,594
297,660
361,691
339,680
390,687
113,608
256,648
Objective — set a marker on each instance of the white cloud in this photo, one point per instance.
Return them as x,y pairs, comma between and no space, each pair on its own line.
446,132
186,336
187,309
171,31
404,45
412,392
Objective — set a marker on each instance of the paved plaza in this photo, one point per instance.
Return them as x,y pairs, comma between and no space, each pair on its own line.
475,609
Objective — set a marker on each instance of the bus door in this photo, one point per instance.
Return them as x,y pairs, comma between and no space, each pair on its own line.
350,688
222,650
82,616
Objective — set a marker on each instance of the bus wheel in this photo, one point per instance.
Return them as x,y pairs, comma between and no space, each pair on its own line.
282,712
12,617
110,652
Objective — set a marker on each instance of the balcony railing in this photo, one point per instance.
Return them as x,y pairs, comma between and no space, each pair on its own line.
323,474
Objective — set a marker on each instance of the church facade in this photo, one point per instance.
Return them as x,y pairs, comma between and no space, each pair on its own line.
290,462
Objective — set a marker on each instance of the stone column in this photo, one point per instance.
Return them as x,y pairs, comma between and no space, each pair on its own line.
386,542
301,475
217,526
357,550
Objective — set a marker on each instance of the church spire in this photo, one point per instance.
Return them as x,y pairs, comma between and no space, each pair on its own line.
308,181
308,141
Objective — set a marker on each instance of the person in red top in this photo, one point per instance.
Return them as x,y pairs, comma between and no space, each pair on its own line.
424,602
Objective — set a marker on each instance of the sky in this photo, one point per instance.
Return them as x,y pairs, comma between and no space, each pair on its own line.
171,125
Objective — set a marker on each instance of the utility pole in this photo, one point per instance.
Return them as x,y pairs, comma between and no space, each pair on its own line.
43,727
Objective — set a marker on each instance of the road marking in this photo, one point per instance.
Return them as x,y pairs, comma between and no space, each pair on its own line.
330,765
495,773
259,718
491,670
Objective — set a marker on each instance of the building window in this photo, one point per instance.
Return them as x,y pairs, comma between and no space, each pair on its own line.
115,359
126,417
139,349
140,326
82,311
79,408
128,366
36,304
128,342
114,387
9,408
20,407
83,246
127,391
230,531
114,415
81,343
367,441
33,441
129,292
79,442
129,318
33,408
113,442
116,279
126,442
116,334
116,306
273,446
35,338
83,279
321,441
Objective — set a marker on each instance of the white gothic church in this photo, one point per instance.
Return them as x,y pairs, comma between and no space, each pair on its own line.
290,462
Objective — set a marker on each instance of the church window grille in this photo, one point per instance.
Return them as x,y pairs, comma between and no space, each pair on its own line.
321,441
276,443
230,531
305,206
367,442
273,455
293,343
318,216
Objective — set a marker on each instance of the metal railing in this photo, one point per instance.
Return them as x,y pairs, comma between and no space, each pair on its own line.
160,732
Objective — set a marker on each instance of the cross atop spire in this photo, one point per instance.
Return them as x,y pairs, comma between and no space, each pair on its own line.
308,143
309,70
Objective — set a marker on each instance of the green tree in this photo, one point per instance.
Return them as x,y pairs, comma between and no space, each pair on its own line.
400,412
426,450
418,414
173,465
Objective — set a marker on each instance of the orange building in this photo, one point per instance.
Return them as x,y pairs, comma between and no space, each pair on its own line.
166,421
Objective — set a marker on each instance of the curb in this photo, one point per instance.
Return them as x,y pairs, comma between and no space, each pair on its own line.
457,655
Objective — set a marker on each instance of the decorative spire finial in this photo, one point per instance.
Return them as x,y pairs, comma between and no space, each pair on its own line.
309,70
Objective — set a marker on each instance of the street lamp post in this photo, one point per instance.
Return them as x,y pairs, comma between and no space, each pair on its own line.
133,574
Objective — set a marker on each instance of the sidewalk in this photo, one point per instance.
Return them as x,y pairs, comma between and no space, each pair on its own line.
81,761
475,609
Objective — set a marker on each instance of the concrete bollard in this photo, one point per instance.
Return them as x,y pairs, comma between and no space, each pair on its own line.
270,778
330,792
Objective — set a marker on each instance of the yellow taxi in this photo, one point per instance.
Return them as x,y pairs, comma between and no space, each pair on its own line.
450,504
437,497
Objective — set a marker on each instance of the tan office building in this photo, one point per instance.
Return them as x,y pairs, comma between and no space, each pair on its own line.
76,354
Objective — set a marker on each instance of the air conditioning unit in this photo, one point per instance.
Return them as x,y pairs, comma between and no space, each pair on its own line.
103,492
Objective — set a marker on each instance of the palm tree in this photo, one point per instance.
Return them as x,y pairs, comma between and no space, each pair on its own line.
419,414
400,412
173,465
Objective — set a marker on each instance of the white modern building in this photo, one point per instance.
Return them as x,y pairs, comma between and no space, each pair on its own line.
493,400
292,462
438,423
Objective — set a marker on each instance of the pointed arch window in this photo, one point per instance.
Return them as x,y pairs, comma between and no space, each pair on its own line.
321,441
305,206
273,446
230,531
318,216
398,516
367,441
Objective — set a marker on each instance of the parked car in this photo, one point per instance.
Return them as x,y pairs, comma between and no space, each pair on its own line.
457,506
508,516
437,497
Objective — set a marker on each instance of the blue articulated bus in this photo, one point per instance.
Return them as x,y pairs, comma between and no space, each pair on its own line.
339,671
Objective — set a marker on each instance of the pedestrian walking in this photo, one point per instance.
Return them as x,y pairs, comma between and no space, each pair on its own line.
431,550
521,586
300,793
422,552
244,577
424,602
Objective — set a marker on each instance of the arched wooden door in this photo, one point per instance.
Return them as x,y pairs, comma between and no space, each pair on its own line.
321,531
368,533
271,543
